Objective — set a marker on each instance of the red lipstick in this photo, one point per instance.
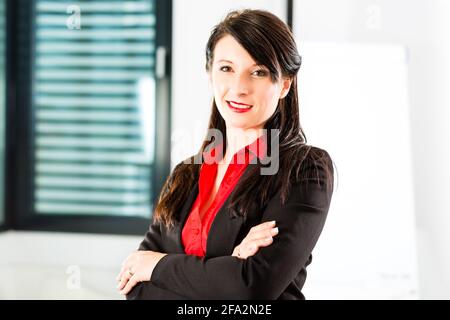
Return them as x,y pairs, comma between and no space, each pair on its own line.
244,108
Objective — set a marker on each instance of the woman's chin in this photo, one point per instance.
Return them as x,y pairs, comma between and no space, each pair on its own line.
237,124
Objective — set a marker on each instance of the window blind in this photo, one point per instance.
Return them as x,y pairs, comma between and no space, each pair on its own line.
94,107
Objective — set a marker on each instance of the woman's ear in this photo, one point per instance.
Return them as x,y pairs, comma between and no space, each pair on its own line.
286,85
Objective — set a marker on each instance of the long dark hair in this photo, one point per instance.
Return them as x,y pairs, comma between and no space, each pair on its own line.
271,43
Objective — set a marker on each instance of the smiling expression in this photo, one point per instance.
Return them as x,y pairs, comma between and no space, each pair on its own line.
244,92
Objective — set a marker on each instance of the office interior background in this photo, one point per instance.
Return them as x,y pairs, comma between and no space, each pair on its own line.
100,99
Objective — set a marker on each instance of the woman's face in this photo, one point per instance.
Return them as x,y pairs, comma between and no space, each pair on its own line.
243,91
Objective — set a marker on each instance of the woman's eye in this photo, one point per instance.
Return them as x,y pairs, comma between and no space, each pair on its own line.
260,73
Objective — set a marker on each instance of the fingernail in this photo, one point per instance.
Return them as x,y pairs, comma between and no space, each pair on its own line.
269,239
274,231
272,222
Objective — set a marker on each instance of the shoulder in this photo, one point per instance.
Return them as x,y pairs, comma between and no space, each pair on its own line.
306,178
313,164
316,157
314,182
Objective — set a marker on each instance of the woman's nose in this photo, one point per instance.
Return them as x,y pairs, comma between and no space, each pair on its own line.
240,85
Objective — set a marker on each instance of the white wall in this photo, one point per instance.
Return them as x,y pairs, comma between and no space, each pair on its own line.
350,108
42,265
430,106
423,28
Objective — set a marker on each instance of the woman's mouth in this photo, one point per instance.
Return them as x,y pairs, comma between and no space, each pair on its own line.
239,107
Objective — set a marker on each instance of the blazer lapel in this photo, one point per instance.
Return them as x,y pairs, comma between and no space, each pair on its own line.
224,229
223,233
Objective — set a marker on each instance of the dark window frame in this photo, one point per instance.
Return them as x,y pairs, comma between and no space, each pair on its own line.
290,12
3,222
19,149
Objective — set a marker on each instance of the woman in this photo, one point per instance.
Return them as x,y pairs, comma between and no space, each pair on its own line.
225,228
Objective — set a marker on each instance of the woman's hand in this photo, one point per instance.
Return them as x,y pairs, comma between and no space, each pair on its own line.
136,268
258,236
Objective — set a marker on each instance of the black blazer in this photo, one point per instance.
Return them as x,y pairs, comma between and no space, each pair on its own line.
274,272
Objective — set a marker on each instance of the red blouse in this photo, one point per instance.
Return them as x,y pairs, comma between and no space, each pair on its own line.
195,231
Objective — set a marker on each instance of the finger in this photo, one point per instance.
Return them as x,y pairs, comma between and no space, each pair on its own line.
262,234
119,276
128,262
125,267
131,283
263,226
123,281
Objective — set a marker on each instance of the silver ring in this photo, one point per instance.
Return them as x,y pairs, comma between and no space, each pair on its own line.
130,272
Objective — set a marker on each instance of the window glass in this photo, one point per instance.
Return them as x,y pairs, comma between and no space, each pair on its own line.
93,91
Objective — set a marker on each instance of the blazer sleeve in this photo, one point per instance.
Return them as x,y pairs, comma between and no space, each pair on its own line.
266,274
152,240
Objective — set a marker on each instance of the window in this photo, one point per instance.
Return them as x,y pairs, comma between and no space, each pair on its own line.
92,110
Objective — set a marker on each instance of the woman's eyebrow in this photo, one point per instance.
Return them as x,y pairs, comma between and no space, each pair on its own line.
223,60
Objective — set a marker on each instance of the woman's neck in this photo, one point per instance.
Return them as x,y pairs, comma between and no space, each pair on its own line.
238,138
